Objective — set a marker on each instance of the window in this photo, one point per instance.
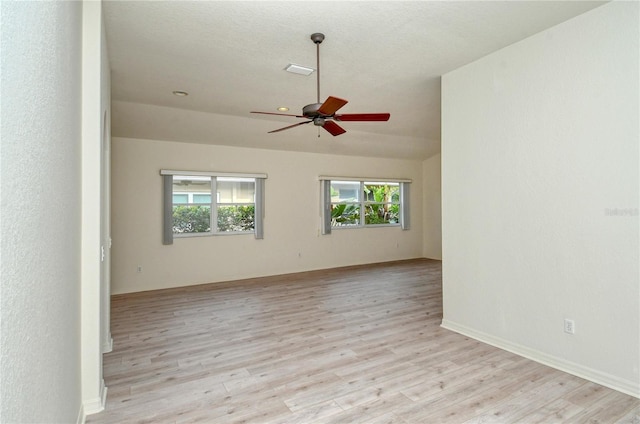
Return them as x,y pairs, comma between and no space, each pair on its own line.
345,203
236,204
189,215
190,208
351,203
382,203
358,203
180,198
201,198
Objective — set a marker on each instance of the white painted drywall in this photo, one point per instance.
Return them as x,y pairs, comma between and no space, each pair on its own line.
94,106
292,240
105,193
432,214
40,208
539,148
152,122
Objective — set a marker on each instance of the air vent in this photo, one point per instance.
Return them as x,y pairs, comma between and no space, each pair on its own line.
299,69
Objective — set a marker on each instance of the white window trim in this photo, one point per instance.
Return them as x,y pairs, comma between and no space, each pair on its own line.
325,202
258,204
212,174
368,179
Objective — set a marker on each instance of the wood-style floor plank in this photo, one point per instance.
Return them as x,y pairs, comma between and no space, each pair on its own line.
350,345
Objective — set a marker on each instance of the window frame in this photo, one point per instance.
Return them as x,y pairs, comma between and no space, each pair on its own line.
366,202
219,204
327,204
357,202
214,204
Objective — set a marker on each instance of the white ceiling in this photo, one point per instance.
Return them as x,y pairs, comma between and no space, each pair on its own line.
229,55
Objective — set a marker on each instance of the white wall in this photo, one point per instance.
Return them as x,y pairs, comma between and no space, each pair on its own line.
40,207
105,190
291,242
95,104
432,214
540,143
151,122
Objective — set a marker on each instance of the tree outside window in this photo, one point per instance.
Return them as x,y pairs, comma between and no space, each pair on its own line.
364,203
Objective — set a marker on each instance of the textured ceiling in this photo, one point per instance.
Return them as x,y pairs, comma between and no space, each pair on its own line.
230,55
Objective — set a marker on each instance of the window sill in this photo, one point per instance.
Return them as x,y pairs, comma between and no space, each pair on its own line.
347,227
230,233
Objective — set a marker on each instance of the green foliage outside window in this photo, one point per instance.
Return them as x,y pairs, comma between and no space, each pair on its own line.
381,214
197,219
380,210
191,219
345,214
236,218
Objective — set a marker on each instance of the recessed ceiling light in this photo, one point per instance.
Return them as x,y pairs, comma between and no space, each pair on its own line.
283,109
298,69
180,93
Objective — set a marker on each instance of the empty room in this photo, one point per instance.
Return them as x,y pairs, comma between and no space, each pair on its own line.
320,212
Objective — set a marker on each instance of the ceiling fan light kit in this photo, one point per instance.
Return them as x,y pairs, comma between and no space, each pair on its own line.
324,114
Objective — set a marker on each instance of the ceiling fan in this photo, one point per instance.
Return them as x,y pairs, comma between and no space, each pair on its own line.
324,114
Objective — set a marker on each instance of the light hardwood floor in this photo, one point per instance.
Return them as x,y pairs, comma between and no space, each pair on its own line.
348,345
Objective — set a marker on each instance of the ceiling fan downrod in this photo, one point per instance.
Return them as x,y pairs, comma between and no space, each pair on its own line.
317,38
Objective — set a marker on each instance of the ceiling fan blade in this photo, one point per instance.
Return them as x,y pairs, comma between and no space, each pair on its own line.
290,126
362,117
331,105
333,128
279,114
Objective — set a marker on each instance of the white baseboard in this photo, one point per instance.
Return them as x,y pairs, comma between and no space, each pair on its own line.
622,385
108,345
93,406
81,416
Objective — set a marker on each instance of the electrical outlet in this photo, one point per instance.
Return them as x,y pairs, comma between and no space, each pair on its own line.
139,269
569,326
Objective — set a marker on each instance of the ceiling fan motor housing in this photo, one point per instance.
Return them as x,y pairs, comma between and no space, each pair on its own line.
311,111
